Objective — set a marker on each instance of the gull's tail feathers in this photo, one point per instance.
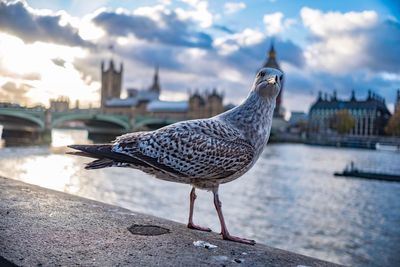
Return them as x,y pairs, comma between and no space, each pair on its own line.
104,156
100,163
94,151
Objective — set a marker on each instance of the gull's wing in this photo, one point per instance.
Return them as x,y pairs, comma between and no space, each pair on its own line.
204,149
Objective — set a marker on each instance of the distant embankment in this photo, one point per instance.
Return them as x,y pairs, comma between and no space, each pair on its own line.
41,227
369,142
353,141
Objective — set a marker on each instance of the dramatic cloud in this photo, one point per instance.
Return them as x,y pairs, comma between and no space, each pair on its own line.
198,12
196,48
325,24
59,62
233,7
223,28
383,48
274,23
351,51
344,42
339,45
164,27
230,43
18,19
249,47
14,93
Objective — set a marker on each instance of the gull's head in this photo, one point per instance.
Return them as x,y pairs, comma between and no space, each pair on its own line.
268,83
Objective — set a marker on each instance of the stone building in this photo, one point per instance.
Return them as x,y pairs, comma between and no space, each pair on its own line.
61,104
111,82
147,102
206,105
271,62
371,114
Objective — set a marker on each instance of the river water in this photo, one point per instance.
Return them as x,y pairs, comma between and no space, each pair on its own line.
289,199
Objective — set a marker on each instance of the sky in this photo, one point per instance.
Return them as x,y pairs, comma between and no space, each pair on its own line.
54,48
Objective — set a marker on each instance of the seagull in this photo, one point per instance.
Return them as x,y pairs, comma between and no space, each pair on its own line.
203,153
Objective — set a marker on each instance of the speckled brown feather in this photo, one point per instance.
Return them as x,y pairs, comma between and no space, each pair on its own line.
195,150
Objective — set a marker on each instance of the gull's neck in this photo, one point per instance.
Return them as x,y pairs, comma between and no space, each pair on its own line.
253,118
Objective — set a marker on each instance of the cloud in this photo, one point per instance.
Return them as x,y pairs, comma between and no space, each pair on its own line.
163,27
249,48
324,24
353,50
59,62
223,28
31,25
383,48
198,12
344,42
343,51
33,76
233,7
274,23
29,76
12,92
232,42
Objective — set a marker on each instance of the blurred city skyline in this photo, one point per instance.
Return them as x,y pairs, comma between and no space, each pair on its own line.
49,49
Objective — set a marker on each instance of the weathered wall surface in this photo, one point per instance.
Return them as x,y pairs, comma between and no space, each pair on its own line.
41,227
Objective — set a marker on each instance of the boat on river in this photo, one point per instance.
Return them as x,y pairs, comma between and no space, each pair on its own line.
352,171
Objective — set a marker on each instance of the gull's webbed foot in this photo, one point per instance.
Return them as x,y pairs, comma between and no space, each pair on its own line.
197,227
238,239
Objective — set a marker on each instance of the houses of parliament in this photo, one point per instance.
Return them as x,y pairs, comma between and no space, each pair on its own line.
147,102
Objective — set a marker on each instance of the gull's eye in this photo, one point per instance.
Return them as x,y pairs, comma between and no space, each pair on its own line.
280,78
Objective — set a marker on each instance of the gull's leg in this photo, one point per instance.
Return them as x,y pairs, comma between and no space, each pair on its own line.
191,225
224,230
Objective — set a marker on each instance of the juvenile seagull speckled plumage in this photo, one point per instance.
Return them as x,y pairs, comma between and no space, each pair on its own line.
205,152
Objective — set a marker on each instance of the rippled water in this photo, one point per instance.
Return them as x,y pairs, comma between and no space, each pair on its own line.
289,200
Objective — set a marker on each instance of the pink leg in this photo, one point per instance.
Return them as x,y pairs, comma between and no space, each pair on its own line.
191,225
224,230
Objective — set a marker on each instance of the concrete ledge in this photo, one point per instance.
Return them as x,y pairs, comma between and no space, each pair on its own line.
41,227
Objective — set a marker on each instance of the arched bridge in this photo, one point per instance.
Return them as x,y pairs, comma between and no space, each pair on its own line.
40,120
93,120
22,119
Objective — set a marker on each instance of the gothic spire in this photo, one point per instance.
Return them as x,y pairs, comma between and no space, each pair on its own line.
271,53
155,79
156,83
271,60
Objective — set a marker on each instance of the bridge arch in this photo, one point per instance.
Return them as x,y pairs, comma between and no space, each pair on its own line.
112,119
36,121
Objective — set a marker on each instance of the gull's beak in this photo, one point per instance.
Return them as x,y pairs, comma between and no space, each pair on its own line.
273,79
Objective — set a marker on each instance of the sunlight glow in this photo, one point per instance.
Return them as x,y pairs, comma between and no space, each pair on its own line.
88,31
22,60
65,137
41,171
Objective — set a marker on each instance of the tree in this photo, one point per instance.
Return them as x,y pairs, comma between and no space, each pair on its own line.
342,121
393,126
